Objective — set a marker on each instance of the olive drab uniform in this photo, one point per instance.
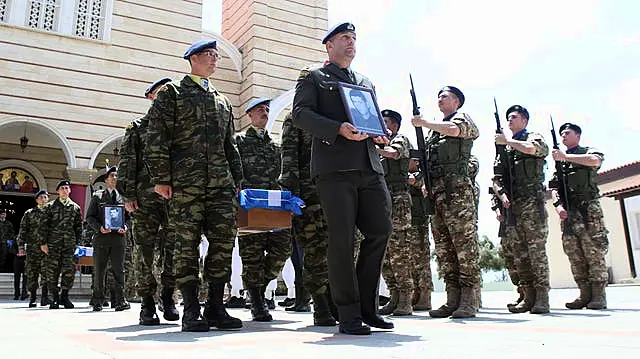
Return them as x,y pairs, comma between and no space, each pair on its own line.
527,206
584,235
454,224
6,233
27,239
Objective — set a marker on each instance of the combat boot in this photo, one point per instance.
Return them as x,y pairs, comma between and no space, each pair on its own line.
391,305
32,299
259,311
583,299
53,303
527,303
321,312
215,312
424,301
148,315
64,300
541,305
192,320
44,300
453,301
302,301
169,311
467,307
520,298
598,296
404,306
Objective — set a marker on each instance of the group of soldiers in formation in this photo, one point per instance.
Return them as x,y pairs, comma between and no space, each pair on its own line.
367,205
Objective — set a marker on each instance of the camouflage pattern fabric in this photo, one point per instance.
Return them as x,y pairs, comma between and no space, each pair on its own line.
129,291
27,240
585,242
61,231
507,242
398,266
419,239
6,233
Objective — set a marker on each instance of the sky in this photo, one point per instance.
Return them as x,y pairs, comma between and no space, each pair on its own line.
578,61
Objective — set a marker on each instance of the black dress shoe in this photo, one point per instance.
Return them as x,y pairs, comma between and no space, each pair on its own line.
97,307
354,327
122,306
377,322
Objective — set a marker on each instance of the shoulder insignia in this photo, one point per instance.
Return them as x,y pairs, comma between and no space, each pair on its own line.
129,126
304,74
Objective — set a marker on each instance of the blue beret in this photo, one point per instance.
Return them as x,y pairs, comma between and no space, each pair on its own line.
336,29
155,85
517,108
392,114
199,46
257,101
454,90
111,169
40,193
63,182
570,126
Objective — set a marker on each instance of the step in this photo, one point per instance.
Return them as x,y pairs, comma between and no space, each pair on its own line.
81,286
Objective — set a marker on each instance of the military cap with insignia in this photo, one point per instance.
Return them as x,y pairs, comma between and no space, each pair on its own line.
40,193
155,85
517,108
199,46
257,101
63,182
454,90
570,126
111,169
336,29
393,115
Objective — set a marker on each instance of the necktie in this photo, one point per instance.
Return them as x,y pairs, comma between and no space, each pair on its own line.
113,197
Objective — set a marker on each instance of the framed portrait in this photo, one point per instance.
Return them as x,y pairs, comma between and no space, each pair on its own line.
113,217
362,109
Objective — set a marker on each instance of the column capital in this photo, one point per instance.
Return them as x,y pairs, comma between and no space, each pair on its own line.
81,176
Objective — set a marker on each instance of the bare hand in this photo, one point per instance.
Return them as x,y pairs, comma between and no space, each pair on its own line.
418,121
381,140
122,230
505,200
424,191
44,248
104,230
131,206
501,139
499,215
21,253
562,212
558,155
164,190
351,133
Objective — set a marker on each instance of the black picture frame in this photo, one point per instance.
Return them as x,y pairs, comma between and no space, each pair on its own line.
369,122
113,217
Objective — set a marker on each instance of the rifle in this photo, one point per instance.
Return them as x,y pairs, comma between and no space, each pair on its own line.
560,181
503,156
422,153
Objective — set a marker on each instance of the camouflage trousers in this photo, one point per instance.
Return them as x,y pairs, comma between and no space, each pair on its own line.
397,268
35,268
310,231
530,252
454,231
60,262
421,257
507,242
153,249
129,269
263,256
585,242
210,211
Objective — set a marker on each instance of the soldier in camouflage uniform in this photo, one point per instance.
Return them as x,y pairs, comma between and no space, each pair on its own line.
149,220
454,224
526,152
584,235
6,233
398,265
60,232
474,167
263,254
193,161
28,244
310,228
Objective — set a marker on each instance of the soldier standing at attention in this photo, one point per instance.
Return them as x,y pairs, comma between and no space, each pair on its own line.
28,244
526,151
310,228
398,265
60,232
150,222
453,225
263,254
6,233
350,182
193,161
584,235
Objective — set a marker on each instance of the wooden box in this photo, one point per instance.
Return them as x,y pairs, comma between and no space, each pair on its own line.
258,220
85,261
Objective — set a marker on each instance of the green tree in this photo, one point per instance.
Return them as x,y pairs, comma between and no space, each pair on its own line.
490,258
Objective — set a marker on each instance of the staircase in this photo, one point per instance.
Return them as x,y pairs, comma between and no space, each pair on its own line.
81,286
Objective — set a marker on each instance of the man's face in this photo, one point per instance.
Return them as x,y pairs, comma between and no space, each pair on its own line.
517,122
259,115
342,45
64,192
205,63
413,165
448,102
360,105
113,213
570,138
391,124
111,180
3,216
42,199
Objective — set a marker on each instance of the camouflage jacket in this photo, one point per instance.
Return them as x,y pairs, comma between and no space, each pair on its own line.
62,223
295,174
260,160
6,232
29,227
190,138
